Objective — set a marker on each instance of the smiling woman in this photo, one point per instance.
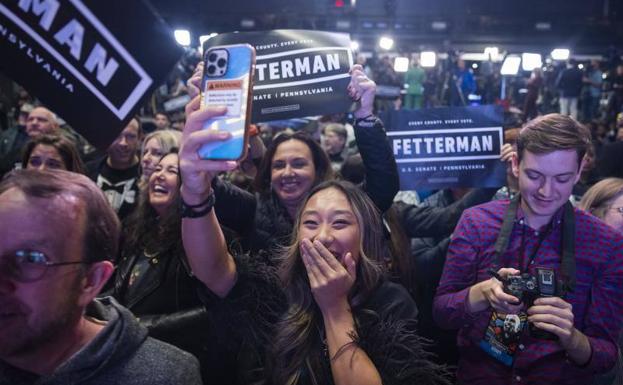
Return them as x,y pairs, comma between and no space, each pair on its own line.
294,163
151,278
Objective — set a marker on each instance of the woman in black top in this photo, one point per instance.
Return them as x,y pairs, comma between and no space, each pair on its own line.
329,316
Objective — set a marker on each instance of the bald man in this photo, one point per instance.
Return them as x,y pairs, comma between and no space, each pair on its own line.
41,121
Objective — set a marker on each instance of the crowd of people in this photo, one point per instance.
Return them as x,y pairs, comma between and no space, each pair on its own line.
302,263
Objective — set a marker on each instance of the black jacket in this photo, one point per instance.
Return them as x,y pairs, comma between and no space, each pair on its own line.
436,222
272,225
385,323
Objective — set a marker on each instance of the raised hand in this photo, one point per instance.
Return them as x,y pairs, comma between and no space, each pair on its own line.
362,89
197,173
194,82
330,281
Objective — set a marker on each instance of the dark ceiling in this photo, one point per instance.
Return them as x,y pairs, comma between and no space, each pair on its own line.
585,26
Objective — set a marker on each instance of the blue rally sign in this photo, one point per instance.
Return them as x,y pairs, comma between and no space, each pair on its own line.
447,147
92,62
298,73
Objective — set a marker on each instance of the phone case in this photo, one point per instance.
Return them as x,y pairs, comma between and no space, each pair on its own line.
227,81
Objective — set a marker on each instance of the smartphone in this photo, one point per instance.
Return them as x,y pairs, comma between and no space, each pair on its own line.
227,81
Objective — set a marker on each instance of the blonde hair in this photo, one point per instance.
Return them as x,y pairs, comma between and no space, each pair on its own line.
167,140
598,199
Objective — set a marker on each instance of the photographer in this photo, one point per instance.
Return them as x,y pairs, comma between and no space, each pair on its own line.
567,297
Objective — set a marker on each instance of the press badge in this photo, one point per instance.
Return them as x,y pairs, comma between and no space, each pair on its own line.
502,336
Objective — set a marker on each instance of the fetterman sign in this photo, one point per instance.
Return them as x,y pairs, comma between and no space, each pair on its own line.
447,147
92,62
297,73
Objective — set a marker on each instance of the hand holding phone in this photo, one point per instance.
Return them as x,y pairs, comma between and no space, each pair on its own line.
227,81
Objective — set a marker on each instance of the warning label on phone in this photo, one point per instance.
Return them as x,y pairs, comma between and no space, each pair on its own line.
225,85
231,98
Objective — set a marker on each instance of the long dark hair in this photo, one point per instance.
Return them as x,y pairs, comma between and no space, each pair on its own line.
322,164
297,340
147,231
65,147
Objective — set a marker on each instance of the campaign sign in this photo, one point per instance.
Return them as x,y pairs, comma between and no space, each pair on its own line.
91,62
297,73
447,147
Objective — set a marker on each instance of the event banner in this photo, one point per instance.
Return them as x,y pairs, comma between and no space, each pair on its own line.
447,147
92,62
297,73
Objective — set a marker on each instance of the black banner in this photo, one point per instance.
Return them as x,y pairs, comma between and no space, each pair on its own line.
92,62
297,73
447,147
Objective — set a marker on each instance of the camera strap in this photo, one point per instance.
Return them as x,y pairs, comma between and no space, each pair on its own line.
567,265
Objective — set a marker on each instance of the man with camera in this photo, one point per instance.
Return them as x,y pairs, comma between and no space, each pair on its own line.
559,269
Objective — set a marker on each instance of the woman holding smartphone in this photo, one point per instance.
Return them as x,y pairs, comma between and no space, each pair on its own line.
294,164
329,316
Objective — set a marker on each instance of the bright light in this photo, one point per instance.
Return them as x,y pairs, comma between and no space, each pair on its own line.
510,65
493,52
475,65
428,59
560,54
342,24
247,23
386,42
203,39
439,25
401,64
581,66
530,61
354,45
182,36
604,75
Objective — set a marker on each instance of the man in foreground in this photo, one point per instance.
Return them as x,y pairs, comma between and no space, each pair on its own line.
58,237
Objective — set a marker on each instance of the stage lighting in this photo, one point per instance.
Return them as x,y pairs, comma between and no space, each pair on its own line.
182,36
581,66
247,23
386,42
530,61
510,65
342,24
439,25
560,54
428,59
475,65
203,39
401,64
493,52
354,45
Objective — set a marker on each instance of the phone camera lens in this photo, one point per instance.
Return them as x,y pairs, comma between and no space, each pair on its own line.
212,57
221,62
211,69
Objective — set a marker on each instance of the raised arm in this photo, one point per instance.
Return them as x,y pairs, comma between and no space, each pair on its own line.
204,242
382,181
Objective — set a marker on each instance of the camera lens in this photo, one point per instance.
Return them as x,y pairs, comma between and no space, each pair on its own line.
211,69
212,57
221,62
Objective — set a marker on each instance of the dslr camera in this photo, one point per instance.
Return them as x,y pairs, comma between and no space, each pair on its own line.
529,287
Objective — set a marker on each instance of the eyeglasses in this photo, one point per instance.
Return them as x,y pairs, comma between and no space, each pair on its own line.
30,265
